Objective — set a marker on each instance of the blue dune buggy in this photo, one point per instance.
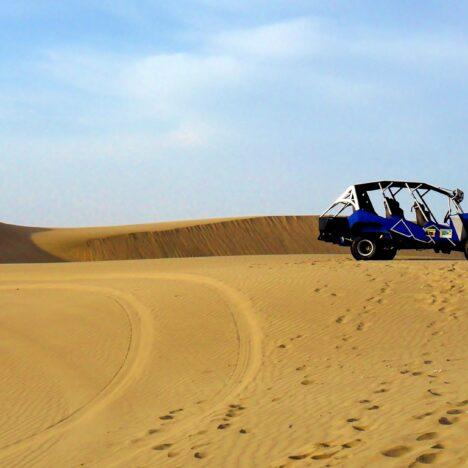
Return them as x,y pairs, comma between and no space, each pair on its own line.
354,220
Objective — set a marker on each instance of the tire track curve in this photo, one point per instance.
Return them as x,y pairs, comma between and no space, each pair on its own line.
140,347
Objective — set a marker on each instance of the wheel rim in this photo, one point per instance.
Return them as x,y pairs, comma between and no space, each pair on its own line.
366,248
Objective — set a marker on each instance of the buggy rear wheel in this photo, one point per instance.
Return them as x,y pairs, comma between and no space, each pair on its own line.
466,249
364,248
388,253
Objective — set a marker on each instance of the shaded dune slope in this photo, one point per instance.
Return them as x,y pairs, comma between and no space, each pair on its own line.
254,236
201,238
17,246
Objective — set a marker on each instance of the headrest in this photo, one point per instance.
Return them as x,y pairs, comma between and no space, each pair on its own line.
458,196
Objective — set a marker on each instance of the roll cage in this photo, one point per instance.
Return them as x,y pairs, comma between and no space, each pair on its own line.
357,197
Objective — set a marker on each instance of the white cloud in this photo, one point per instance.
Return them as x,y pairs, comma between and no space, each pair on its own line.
189,135
412,49
310,37
164,82
287,39
124,145
177,76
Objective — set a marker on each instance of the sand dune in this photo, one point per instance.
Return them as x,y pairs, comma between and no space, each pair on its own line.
297,360
196,238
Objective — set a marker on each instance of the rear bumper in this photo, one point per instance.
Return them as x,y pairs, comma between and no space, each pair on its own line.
334,230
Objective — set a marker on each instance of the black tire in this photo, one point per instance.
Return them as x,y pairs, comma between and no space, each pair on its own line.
466,249
388,253
364,248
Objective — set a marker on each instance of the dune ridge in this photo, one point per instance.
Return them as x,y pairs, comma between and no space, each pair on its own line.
196,238
249,236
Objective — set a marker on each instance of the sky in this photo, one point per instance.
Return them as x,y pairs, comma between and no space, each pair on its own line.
120,112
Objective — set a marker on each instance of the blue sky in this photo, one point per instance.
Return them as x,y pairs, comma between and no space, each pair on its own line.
117,112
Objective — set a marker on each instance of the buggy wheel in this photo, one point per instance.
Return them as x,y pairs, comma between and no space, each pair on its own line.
388,254
364,248
466,249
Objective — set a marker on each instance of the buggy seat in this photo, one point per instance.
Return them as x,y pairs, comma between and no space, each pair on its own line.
392,208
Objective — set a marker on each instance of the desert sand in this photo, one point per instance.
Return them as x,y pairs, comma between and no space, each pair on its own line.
302,359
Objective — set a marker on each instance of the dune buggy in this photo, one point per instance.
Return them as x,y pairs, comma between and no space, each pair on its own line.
433,219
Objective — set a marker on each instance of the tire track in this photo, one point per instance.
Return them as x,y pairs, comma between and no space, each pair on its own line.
138,353
140,347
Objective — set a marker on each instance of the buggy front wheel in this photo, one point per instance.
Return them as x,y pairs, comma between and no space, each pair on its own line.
364,248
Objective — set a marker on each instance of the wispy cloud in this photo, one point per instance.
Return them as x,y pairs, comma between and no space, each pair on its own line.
416,50
161,78
291,39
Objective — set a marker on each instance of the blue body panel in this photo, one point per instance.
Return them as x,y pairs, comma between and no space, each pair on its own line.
407,233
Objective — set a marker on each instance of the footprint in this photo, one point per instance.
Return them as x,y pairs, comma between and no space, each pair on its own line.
351,444
199,454
427,458
323,456
375,407
306,382
152,431
424,415
162,446
323,445
454,411
223,426
359,428
298,457
166,417
446,421
238,407
427,436
397,451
